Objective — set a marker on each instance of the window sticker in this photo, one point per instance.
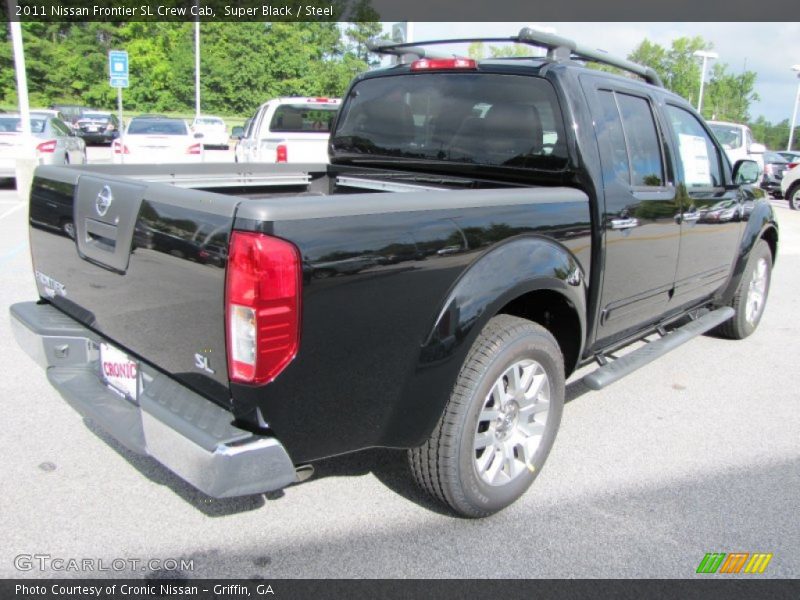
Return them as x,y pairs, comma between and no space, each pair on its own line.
694,156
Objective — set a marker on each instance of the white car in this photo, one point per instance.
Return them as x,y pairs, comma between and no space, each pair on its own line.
737,140
289,130
155,140
53,143
214,131
790,186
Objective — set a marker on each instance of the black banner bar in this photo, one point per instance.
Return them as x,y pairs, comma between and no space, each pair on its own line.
483,589
396,10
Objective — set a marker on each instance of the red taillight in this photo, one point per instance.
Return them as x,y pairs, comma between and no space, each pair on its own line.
262,306
195,149
281,154
319,100
120,148
432,64
792,165
47,147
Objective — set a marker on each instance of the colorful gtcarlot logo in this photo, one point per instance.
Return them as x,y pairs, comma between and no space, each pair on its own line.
733,563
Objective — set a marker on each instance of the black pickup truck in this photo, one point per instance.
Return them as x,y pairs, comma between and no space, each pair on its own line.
483,229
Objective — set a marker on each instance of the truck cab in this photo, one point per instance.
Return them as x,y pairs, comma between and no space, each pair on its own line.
737,140
289,130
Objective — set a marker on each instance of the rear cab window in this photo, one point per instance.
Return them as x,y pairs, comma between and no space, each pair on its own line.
157,127
302,118
499,120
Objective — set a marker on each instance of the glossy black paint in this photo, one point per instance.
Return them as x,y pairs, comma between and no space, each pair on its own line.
165,305
51,205
382,340
759,224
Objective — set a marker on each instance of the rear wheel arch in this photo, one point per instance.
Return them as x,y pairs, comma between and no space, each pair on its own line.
558,315
550,291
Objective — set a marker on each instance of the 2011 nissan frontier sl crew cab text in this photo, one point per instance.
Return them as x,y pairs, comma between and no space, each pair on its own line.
483,228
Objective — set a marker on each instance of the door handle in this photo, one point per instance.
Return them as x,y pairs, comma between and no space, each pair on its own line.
624,223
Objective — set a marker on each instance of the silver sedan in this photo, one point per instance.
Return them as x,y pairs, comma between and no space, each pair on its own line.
54,143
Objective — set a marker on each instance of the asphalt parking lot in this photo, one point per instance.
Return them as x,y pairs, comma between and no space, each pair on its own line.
698,452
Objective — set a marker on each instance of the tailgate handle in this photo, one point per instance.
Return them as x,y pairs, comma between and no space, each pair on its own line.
101,235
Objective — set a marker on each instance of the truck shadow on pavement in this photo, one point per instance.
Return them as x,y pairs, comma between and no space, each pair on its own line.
390,467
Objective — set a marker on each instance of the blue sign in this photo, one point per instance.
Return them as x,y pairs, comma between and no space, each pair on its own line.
118,68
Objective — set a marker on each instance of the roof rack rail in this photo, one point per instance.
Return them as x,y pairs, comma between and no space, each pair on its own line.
402,50
559,49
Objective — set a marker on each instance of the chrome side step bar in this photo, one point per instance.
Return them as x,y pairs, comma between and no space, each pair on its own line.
619,368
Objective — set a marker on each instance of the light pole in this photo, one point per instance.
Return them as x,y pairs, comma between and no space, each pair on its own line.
705,55
795,68
197,68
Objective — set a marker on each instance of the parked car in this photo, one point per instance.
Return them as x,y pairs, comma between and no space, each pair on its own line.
562,183
790,155
215,133
71,112
157,140
98,127
790,186
54,143
51,113
289,130
774,167
737,139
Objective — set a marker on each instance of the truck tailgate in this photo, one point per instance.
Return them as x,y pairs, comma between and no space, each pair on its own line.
143,267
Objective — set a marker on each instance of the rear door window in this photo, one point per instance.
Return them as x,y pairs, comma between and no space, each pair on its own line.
644,148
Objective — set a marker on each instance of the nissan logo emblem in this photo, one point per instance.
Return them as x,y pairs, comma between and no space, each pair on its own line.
103,201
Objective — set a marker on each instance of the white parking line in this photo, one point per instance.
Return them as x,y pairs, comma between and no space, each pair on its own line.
11,210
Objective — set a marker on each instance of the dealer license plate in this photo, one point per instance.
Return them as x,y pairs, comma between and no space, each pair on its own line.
118,371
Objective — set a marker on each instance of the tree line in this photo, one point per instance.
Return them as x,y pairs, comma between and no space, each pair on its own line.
242,64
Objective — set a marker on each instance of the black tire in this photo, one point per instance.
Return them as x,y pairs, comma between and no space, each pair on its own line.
446,466
741,325
793,196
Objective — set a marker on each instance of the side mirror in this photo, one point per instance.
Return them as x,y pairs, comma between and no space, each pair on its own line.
757,148
237,132
745,172
198,136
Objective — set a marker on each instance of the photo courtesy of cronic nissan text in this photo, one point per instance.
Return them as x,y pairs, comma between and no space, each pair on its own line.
359,299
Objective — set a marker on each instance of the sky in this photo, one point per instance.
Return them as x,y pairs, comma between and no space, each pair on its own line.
769,49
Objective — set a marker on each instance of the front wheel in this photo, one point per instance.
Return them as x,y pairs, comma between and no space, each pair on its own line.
750,297
500,422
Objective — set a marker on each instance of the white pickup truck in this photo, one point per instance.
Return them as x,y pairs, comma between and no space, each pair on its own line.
737,140
287,130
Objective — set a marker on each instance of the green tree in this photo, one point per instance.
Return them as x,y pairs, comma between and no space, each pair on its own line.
725,97
728,97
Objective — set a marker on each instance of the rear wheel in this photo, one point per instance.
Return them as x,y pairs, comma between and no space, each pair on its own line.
751,295
69,228
500,422
793,196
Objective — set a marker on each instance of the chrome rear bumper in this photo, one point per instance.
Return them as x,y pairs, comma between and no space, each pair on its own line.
188,434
